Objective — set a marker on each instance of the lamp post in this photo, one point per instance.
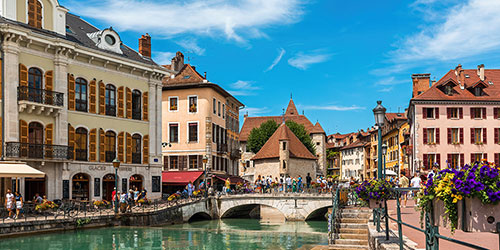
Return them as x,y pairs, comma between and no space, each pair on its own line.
379,114
384,152
116,165
205,160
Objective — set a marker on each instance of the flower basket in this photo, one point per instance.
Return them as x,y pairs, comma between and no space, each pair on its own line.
479,217
46,206
374,192
440,218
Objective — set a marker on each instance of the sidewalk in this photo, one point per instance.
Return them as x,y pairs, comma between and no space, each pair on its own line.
412,217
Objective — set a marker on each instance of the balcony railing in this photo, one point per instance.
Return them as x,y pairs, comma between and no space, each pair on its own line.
42,96
81,154
136,114
136,158
110,110
38,151
110,156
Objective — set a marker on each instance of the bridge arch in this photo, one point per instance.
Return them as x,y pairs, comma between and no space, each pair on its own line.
318,213
252,210
199,216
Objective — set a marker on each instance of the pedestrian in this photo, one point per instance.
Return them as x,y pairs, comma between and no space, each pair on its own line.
281,183
415,183
228,185
37,199
113,198
404,183
288,184
308,181
130,200
9,203
136,196
299,184
190,189
19,204
123,201
294,185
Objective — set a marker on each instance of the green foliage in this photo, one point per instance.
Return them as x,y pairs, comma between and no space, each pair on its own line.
331,154
259,136
82,222
300,131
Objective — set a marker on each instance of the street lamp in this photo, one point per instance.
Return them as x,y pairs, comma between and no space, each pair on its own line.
379,113
116,165
384,152
205,160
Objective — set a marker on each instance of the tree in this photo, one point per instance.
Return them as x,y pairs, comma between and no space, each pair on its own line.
259,136
300,131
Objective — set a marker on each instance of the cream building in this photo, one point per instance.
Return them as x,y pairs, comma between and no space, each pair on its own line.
76,98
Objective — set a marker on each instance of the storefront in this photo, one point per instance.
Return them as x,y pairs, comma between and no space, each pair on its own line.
81,187
136,181
108,185
177,181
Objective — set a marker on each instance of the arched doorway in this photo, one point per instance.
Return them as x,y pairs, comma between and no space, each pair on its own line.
108,184
35,139
81,187
33,186
136,181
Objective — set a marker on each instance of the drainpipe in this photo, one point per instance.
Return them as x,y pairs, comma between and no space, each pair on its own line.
3,98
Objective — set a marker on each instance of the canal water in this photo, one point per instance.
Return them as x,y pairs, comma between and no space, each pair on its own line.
235,234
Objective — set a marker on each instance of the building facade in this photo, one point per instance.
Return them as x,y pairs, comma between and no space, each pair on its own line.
392,138
455,121
76,99
200,119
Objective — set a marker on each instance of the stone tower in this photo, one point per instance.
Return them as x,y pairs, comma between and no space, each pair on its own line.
318,137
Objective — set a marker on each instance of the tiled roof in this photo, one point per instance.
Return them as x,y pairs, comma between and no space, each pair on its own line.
187,74
291,109
255,122
317,129
395,116
491,93
272,147
356,144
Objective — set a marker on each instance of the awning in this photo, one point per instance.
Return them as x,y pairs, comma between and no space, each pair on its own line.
180,177
9,169
390,172
232,179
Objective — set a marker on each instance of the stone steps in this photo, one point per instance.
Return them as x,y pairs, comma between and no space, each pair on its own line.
356,215
361,235
356,242
353,220
354,225
353,231
341,247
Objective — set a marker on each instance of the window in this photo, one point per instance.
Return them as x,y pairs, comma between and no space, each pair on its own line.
223,111
35,85
35,15
284,164
478,113
218,108
448,89
478,91
110,146
110,39
430,160
478,135
477,157
173,129
496,135
496,113
136,104
284,145
430,113
430,136
81,94
193,162
174,162
173,103
455,136
136,148
193,104
453,113
454,160
214,105
81,144
110,100
193,132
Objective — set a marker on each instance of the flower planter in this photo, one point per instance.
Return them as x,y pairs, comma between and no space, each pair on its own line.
479,217
375,203
440,218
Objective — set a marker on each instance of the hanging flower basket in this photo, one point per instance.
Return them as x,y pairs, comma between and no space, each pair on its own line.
374,192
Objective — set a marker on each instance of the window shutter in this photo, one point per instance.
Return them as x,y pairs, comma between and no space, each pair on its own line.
92,96
200,162
49,133
121,101
461,113
472,113
485,136
93,145
129,148
449,135
484,113
23,131
462,159
129,103
495,113
436,111
424,112
121,137
438,159
472,158
425,136
71,140
71,92
448,159
102,98
497,159
448,113
425,161
38,18
145,110
497,131
472,137
145,153
49,85
31,13
23,76
102,146
461,135
437,136
485,156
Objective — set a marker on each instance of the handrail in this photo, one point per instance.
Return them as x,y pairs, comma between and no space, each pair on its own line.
43,96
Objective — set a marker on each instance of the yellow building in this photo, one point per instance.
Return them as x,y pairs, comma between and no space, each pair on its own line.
391,137
76,98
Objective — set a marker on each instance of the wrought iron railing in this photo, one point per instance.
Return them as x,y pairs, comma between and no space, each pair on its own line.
25,93
110,156
38,151
110,110
136,158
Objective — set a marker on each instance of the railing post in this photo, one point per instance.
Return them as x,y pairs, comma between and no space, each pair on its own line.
400,228
386,221
379,211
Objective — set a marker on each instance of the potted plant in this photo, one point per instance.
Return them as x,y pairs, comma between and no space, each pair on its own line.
374,192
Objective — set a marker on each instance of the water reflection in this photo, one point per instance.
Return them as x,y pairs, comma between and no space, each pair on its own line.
218,234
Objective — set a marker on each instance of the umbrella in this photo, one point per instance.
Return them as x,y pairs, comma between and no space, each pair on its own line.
390,172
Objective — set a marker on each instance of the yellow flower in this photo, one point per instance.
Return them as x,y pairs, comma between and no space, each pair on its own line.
455,200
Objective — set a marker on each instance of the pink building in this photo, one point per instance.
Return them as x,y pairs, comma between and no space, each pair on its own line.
456,120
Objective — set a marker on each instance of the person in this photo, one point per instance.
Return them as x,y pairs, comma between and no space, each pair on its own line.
282,184
136,196
190,188
19,204
415,183
113,197
44,199
308,181
143,194
228,185
9,203
404,183
130,200
123,201
37,199
288,184
299,184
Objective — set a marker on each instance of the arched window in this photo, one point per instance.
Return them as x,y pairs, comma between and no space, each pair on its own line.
35,85
110,146
136,148
136,104
81,94
35,139
110,100
35,15
81,144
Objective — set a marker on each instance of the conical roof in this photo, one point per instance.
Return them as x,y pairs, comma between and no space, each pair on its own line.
291,109
317,129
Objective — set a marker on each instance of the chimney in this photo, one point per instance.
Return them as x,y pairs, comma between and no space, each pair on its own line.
145,45
421,83
480,71
460,76
177,62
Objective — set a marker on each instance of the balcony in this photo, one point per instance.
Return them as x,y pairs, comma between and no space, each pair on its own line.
39,101
81,154
38,151
110,110
136,158
110,156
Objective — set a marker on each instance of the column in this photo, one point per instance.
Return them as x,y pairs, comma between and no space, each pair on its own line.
61,85
11,82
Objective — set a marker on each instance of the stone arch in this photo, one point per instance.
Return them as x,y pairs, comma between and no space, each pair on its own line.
247,209
199,216
318,213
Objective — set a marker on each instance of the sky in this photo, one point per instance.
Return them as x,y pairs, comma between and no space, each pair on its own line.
335,58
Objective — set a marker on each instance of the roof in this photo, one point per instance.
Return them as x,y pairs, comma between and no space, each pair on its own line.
291,109
272,147
491,92
356,144
180,177
395,116
317,129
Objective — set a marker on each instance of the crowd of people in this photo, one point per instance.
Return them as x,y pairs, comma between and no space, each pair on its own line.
288,184
127,200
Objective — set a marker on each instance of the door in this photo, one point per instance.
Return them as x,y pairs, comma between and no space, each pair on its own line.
35,139
108,185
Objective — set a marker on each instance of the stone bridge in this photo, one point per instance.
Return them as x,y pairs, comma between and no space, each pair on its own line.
291,206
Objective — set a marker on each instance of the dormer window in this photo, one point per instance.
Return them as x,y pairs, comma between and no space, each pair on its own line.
35,16
107,39
448,89
110,39
478,91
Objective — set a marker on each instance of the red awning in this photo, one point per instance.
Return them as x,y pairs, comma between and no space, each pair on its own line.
232,179
180,177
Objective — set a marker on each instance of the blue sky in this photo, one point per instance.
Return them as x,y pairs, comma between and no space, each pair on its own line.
336,57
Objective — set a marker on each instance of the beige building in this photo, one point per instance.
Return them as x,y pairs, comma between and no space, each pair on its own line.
76,99
199,119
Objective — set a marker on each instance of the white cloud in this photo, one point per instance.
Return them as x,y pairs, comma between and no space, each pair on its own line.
388,89
163,58
235,20
303,61
390,81
254,111
191,46
243,88
467,29
333,107
276,60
